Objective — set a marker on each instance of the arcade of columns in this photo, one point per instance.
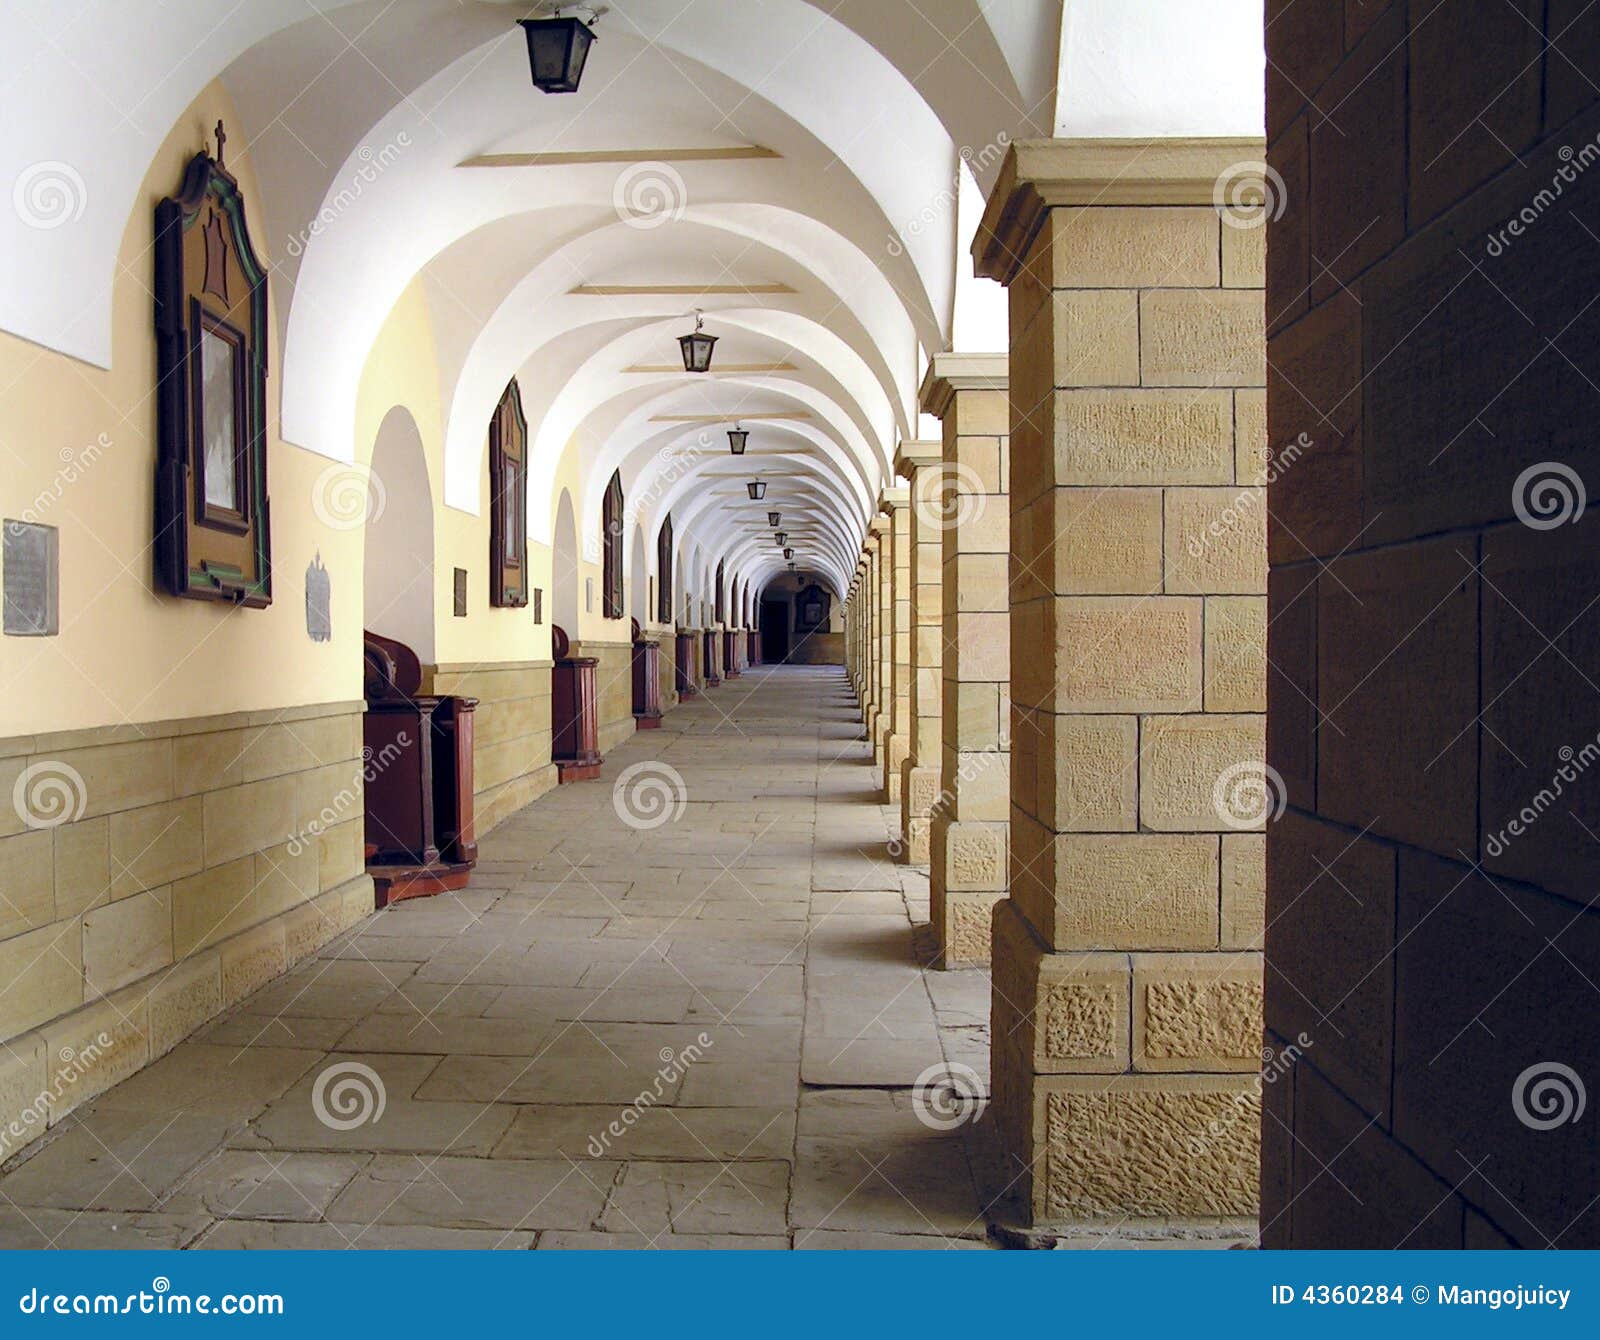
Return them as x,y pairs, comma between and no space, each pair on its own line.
1057,633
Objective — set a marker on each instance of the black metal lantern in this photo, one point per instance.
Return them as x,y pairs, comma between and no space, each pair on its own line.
696,347
788,553
758,489
557,49
791,567
772,518
781,538
737,437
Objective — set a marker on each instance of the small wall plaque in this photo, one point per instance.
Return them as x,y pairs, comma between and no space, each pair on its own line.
461,592
538,604
319,601
32,584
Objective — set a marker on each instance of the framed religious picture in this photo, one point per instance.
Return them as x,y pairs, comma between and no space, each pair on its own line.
508,501
812,607
213,539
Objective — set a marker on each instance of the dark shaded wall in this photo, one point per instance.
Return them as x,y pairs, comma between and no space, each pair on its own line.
823,645
1433,302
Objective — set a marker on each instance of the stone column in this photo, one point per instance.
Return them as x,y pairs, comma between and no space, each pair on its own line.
852,616
882,638
897,744
918,463
869,626
1127,991
971,817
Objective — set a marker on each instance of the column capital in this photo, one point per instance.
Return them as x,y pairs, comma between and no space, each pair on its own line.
1040,175
877,526
949,373
891,499
911,456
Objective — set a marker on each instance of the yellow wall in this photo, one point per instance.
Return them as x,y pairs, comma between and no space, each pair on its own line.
77,447
77,451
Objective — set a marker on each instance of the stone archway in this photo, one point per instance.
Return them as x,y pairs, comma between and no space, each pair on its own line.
397,568
565,571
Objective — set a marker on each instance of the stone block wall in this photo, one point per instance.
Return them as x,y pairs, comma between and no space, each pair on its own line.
1434,641
151,876
511,740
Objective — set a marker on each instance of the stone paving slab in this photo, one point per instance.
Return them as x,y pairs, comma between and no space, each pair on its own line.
743,1197
35,1229
113,1160
691,1133
450,1192
562,1240
244,1235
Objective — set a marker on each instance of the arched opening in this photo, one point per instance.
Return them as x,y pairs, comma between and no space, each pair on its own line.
397,595
565,572
638,580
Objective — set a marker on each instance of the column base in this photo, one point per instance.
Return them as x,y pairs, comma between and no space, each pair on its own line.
895,750
1111,1097
643,722
919,793
966,878
578,769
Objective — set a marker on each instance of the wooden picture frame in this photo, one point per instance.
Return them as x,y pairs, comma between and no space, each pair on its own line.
613,521
212,524
508,501
664,568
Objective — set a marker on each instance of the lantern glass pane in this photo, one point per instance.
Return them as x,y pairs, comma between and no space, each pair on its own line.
697,351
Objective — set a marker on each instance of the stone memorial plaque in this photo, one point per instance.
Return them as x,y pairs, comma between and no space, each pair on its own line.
32,593
461,592
319,601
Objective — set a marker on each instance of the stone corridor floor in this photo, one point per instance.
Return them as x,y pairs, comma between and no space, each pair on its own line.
680,1006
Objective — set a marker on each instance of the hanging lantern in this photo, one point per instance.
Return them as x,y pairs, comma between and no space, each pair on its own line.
696,348
788,553
758,489
557,49
737,437
782,538
772,518
791,567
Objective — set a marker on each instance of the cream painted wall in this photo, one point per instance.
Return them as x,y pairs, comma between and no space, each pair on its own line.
77,451
402,369
593,626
